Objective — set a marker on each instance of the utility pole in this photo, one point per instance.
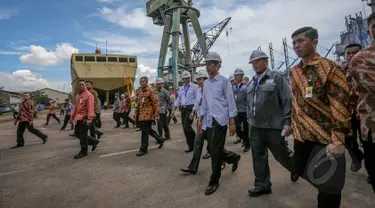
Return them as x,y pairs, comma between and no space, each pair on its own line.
286,56
272,57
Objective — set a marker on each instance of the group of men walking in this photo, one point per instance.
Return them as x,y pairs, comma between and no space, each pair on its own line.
317,107
322,105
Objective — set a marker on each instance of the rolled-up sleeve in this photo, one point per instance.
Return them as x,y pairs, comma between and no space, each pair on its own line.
203,109
230,97
178,101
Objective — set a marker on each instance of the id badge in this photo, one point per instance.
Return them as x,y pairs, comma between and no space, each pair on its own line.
143,100
309,91
80,101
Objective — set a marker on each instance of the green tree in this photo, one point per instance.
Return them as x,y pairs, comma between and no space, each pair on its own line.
39,97
3,103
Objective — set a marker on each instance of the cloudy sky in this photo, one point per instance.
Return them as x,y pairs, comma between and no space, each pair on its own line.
38,36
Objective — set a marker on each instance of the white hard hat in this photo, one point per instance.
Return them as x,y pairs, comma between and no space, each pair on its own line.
122,95
231,77
202,74
185,74
213,56
257,54
159,80
238,71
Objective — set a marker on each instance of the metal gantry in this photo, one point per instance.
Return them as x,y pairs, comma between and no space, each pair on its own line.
272,56
172,14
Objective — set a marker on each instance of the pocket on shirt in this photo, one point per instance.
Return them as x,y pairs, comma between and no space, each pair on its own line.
268,87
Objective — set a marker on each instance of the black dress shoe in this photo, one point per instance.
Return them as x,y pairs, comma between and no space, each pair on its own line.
141,153
72,135
189,150
255,192
211,189
206,156
17,146
94,146
45,139
161,143
235,163
187,170
99,134
138,130
246,149
126,127
294,176
80,155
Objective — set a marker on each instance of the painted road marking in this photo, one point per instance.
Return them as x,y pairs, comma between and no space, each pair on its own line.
135,150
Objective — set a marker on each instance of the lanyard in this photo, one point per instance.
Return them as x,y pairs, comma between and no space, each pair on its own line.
256,82
238,88
186,90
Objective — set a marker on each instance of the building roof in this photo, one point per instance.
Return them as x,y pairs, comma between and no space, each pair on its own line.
53,90
10,92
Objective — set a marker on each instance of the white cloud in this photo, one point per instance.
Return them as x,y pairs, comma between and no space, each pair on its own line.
26,80
252,25
136,18
38,55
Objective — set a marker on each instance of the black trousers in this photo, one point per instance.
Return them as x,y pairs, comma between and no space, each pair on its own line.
66,120
198,146
187,126
369,156
127,119
216,136
351,143
53,116
98,120
93,129
146,128
117,118
22,126
62,112
261,140
241,119
81,131
163,125
328,176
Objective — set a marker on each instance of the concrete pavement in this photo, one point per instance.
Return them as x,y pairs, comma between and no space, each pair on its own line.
46,175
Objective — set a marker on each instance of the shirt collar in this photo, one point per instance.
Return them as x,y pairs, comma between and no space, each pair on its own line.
217,77
314,61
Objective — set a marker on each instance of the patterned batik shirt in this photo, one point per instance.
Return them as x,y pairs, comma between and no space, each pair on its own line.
148,104
26,111
164,100
96,102
362,69
323,118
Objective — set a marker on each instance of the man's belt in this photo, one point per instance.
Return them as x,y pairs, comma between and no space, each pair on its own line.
187,106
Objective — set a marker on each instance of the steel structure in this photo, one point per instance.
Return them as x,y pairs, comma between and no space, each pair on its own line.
171,14
356,32
272,57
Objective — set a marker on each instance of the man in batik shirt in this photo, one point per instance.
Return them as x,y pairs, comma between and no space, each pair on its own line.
25,120
362,68
320,117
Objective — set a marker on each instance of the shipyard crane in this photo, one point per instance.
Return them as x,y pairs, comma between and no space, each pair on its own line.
171,14
211,35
